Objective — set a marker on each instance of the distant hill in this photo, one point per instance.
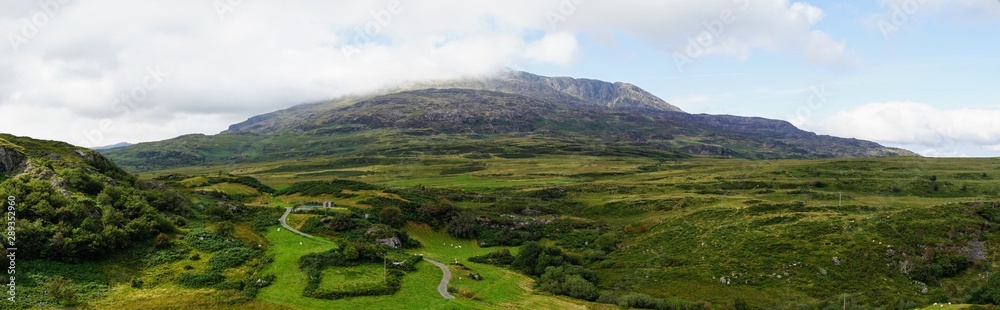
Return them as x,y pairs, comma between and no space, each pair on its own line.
514,113
111,147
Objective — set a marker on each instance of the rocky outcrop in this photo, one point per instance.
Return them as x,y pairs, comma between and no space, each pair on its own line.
10,158
390,242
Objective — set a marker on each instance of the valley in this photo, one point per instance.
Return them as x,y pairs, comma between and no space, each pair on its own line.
532,192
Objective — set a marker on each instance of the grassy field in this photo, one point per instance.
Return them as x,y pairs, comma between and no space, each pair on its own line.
715,230
500,289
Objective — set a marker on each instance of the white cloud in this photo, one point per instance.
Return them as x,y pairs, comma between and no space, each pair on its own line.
69,61
734,28
932,131
956,10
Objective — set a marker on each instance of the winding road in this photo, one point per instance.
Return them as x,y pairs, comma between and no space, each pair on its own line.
288,210
443,286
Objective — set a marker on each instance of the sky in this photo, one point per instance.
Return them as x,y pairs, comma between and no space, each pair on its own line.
918,74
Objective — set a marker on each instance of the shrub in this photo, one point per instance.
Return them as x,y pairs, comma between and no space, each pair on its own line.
225,228
462,226
392,216
162,241
200,280
263,220
62,290
317,188
232,257
573,281
500,257
208,241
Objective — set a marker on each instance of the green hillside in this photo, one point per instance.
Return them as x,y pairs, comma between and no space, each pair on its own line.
517,192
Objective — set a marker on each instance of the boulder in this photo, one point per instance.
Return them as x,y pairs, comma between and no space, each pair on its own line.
390,242
10,159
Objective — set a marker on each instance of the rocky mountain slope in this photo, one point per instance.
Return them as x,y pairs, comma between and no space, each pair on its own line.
501,114
570,91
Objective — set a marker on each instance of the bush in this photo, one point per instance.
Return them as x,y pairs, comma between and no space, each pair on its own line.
462,226
200,280
232,257
164,256
264,220
500,257
534,258
392,216
317,188
573,281
162,241
62,290
208,241
225,228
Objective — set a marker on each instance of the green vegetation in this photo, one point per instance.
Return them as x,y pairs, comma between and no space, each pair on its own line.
665,234
548,230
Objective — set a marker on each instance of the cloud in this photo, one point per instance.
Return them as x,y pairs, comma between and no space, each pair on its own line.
733,28
67,67
932,130
955,10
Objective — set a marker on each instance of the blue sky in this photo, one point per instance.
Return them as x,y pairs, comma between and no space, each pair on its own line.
947,62
98,73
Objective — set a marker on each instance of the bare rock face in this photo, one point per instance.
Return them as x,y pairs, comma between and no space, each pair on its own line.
10,159
390,242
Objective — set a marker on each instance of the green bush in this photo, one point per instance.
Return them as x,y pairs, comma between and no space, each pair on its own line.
317,188
573,281
500,257
208,241
232,257
200,280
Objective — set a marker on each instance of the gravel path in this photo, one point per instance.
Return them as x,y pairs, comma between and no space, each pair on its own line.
284,224
443,286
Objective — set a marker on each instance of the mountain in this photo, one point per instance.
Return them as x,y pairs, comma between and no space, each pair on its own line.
111,147
571,91
511,113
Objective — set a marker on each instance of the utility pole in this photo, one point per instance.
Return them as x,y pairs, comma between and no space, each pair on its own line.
384,271
840,202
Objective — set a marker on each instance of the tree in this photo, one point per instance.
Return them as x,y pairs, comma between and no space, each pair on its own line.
527,257
62,290
392,216
989,293
462,226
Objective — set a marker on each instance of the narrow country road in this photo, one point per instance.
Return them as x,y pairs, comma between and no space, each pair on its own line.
443,286
289,228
